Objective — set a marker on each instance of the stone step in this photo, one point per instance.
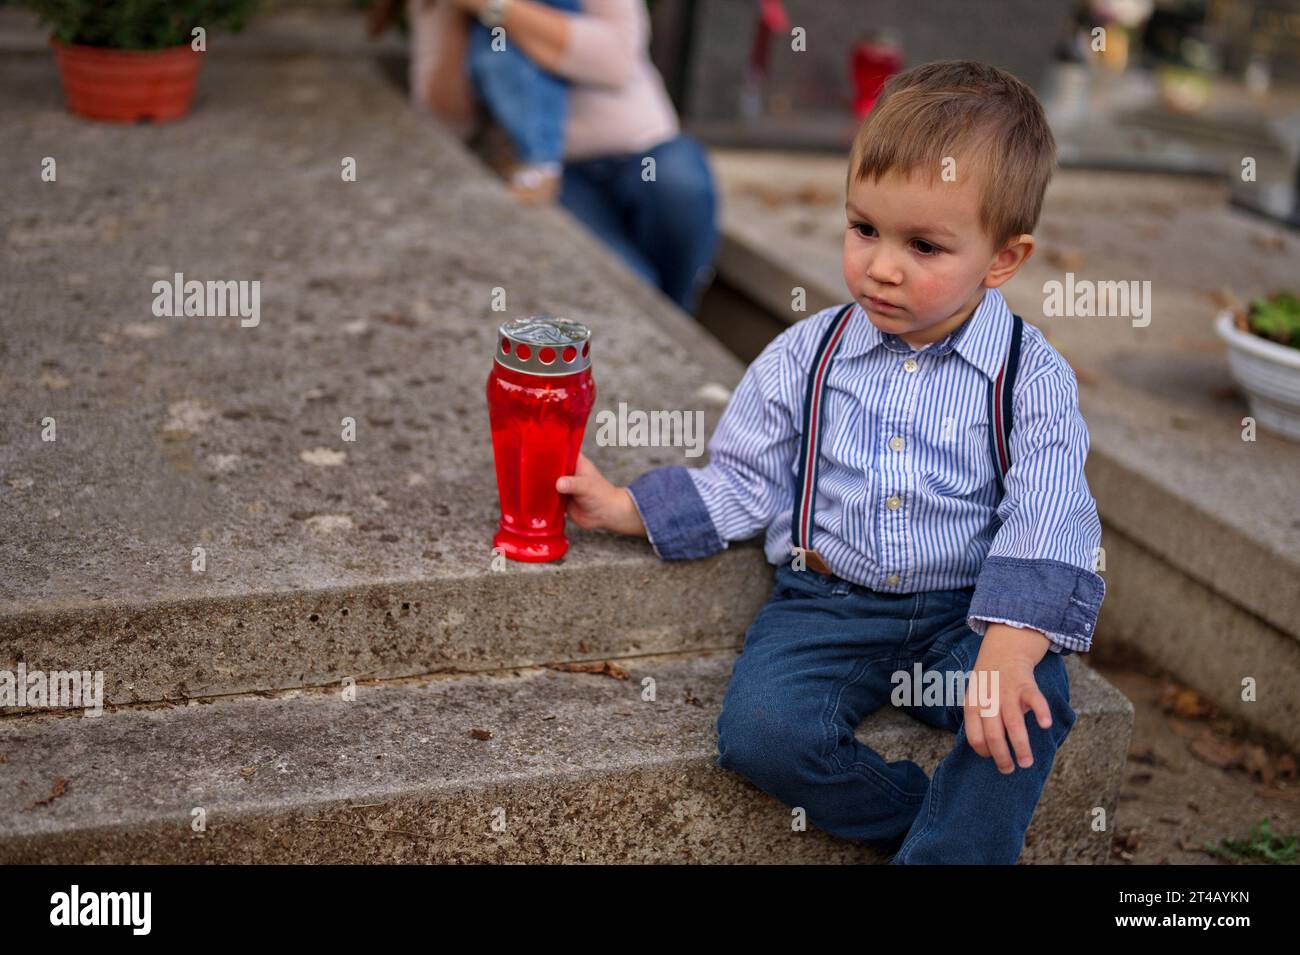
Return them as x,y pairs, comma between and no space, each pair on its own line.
466,621
578,766
322,557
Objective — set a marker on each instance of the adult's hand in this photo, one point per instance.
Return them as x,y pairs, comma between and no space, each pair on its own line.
541,31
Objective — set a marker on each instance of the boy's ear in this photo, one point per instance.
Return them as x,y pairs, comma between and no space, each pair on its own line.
1009,259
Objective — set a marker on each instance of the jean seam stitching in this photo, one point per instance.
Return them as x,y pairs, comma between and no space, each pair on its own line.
929,816
863,769
832,706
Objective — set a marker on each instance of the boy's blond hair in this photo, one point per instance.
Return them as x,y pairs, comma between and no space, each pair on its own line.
980,117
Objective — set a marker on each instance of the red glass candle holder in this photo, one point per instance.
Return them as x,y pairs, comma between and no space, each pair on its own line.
873,61
539,393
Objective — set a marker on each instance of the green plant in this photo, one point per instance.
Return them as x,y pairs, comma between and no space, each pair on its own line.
139,24
1262,845
1277,318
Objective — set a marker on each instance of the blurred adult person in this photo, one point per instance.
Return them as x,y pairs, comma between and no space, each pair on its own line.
660,216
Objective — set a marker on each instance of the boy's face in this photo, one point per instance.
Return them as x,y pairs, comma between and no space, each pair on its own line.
916,257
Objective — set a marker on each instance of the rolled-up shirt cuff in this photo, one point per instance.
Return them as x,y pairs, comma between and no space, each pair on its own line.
980,626
1058,599
675,516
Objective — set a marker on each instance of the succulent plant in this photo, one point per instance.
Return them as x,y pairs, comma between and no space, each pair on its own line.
1276,318
139,24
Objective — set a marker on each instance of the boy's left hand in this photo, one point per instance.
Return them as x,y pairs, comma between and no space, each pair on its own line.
1011,653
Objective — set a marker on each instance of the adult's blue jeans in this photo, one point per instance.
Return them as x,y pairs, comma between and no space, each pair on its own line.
664,228
530,104
817,660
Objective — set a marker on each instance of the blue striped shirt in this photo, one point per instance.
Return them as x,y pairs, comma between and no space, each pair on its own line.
907,497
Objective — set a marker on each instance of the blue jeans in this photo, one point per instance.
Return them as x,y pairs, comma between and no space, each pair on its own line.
816,661
531,104
665,230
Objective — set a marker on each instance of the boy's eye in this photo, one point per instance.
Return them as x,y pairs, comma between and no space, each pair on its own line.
868,231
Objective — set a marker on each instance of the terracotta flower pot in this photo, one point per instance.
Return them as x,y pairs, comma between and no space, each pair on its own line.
127,85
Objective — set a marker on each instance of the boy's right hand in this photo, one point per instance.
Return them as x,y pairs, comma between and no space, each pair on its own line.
595,504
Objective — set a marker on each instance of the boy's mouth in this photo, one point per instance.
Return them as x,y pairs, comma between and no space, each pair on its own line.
880,305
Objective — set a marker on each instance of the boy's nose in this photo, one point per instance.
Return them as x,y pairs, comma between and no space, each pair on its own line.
883,268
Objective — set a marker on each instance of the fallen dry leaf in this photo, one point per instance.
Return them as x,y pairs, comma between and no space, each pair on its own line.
1255,760
1277,792
1223,297
769,196
1129,838
60,787
816,195
608,667
396,318
1188,846
1143,754
1268,242
1222,753
1067,258
1183,702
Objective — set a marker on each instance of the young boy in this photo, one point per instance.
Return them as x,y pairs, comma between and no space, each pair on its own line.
917,459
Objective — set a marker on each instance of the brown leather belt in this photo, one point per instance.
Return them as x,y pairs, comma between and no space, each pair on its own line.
815,562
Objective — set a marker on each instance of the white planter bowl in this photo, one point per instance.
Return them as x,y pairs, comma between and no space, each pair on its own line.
1269,373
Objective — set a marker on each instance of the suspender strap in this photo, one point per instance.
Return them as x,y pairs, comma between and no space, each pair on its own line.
814,405
999,399
1000,391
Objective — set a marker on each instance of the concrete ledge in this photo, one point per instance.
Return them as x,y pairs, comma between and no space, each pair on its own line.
1209,642
525,615
324,558
582,767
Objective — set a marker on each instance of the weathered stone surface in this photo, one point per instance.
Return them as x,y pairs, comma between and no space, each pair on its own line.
583,767
324,557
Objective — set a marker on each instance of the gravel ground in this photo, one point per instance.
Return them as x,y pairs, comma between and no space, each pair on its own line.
1195,777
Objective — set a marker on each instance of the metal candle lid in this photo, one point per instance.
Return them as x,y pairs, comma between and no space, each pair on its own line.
544,345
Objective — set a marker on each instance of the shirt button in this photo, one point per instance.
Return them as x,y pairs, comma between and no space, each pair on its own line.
892,580
909,366
894,503
896,443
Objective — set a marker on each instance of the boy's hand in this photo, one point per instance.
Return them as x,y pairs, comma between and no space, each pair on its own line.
1010,655
596,504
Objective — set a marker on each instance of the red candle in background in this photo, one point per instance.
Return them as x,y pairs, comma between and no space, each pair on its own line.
539,394
872,61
